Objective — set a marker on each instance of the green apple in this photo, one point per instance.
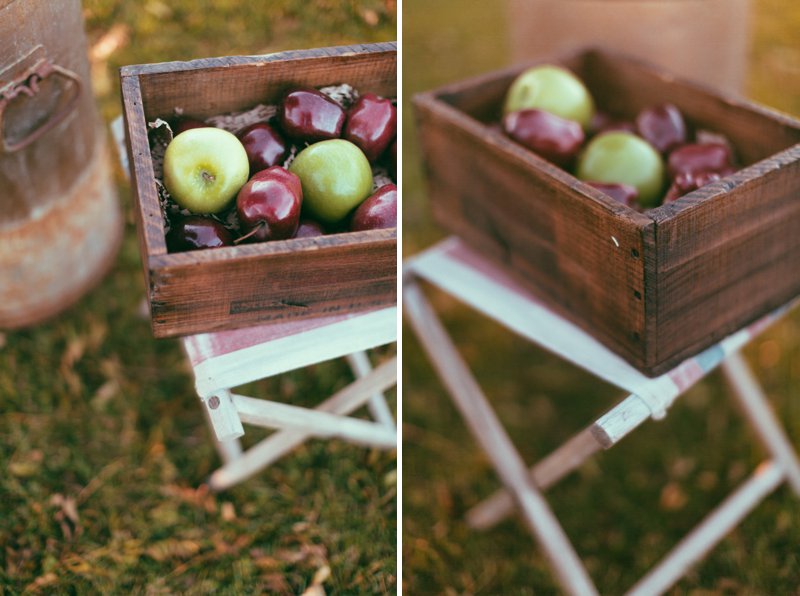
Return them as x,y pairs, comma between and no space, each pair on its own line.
204,168
624,158
552,89
336,177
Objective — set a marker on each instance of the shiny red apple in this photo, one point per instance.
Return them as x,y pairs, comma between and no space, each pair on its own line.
552,137
310,116
604,122
377,211
686,182
268,205
662,126
185,123
624,193
371,125
309,228
264,145
195,232
699,157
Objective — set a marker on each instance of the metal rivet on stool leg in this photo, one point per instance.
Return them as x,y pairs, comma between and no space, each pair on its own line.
213,402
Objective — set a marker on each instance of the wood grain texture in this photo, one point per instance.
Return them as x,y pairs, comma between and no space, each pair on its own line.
654,287
220,85
237,286
728,256
572,244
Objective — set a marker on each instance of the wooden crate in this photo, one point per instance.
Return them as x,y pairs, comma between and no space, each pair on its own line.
229,287
655,287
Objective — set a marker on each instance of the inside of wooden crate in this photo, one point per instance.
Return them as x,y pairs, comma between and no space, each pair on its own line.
223,89
622,87
206,88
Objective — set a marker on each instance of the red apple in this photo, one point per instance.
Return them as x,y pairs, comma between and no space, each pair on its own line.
604,122
309,228
624,193
264,145
686,182
552,137
662,126
310,116
371,125
699,157
377,211
195,232
185,123
269,204
277,172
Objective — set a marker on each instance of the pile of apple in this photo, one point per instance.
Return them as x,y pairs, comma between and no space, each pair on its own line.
306,172
642,163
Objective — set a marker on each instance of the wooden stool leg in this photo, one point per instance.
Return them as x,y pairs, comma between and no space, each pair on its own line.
325,424
361,367
605,432
225,424
757,410
767,477
222,415
489,432
275,446
229,450
544,474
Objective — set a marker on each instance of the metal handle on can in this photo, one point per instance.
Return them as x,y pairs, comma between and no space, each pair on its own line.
27,83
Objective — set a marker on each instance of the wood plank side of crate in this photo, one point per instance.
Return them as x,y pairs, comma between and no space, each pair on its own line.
278,281
728,256
623,86
580,248
717,265
221,85
150,225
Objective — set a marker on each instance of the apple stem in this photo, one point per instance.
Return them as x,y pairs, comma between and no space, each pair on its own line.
252,232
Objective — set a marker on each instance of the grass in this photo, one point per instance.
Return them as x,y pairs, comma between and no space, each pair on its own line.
105,447
625,508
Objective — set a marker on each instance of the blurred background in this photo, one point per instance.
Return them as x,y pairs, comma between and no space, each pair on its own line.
626,508
103,440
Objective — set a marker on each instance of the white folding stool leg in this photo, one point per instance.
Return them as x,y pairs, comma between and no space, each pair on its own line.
317,424
544,474
756,409
603,433
767,477
225,425
489,432
278,444
361,367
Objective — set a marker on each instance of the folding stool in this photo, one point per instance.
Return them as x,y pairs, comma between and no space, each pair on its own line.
462,273
224,360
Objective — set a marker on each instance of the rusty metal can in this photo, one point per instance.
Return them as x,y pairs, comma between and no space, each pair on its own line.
60,221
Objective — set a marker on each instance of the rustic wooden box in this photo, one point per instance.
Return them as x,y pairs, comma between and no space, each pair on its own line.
223,288
655,287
